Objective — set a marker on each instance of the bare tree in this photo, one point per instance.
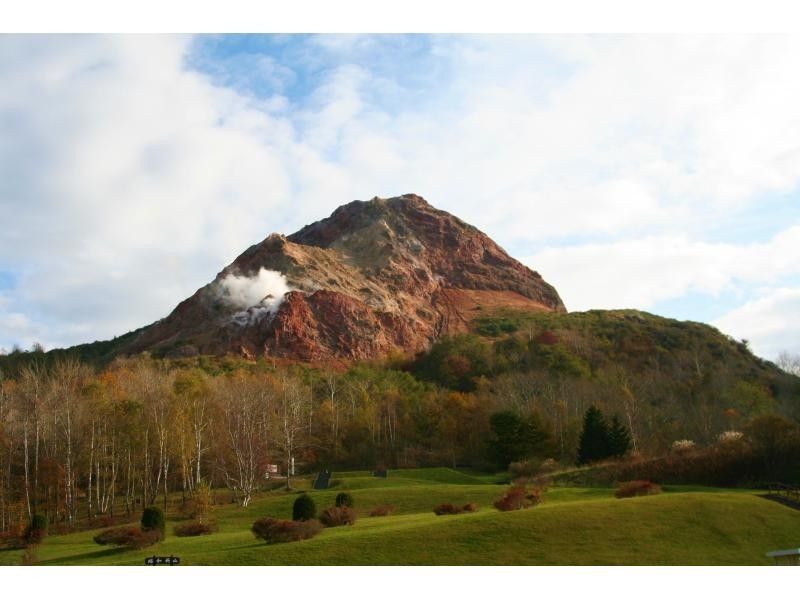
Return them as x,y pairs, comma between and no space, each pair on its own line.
331,386
294,404
789,362
244,400
65,386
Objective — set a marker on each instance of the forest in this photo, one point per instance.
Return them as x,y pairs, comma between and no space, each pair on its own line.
82,437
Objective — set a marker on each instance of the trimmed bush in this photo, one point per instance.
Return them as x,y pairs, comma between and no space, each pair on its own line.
153,520
117,536
274,531
304,508
451,509
447,509
533,496
637,488
130,537
511,500
36,530
382,511
336,516
193,528
518,497
344,499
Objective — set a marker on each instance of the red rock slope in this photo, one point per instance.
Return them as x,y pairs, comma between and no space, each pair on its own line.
376,276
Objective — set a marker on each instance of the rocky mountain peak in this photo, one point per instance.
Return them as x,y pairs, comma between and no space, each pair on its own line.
373,277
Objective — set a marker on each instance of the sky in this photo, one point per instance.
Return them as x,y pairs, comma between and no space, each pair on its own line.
652,172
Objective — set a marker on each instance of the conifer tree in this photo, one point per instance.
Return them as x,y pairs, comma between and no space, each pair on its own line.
595,442
619,438
515,438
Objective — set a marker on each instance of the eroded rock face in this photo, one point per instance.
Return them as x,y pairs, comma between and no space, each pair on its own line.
375,277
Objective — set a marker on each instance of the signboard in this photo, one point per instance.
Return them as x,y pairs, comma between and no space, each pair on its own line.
323,480
162,560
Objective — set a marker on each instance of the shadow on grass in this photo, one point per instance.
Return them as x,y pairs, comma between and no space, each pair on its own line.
258,545
76,559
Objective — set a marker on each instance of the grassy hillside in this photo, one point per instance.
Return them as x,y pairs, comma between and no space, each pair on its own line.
638,338
573,526
667,379
97,353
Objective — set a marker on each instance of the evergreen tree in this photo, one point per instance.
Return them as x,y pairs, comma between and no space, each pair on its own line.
504,444
304,508
595,441
536,440
619,438
153,520
515,439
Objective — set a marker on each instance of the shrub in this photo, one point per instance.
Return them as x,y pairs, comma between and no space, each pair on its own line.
304,508
36,530
117,536
447,509
344,499
518,497
683,446
194,528
533,496
470,507
131,537
153,520
636,488
203,501
730,436
336,516
381,511
273,531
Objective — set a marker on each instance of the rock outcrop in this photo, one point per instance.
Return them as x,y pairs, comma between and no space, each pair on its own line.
375,277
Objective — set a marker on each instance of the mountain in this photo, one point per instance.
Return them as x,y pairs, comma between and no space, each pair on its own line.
375,277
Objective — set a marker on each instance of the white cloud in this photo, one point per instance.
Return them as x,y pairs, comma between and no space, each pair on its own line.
131,180
580,135
769,323
638,273
127,180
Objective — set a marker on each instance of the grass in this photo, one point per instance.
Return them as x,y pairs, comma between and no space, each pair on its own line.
573,526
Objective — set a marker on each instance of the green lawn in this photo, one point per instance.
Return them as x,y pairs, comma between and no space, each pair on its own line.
573,526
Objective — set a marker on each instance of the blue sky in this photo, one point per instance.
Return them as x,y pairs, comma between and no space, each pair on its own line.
650,172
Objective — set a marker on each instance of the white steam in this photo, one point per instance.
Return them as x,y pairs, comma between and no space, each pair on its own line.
254,296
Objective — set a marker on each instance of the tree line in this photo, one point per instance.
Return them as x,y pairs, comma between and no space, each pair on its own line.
78,442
